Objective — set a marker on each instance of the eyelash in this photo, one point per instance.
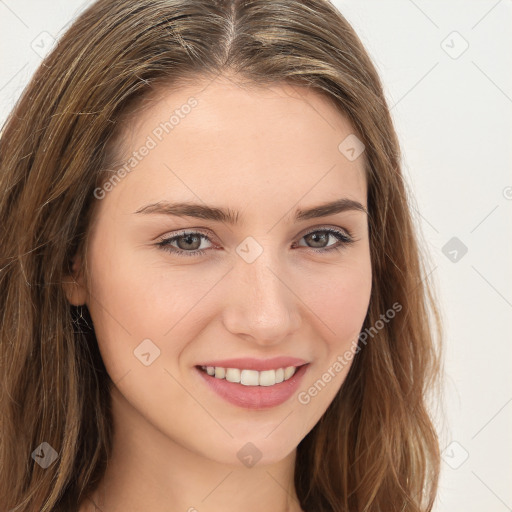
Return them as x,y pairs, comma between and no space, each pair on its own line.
345,239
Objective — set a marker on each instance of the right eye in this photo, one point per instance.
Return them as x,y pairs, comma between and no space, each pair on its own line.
190,238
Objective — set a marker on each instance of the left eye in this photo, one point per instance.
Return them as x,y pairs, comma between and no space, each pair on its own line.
189,242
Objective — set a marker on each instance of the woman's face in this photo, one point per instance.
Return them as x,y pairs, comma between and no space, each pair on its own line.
267,286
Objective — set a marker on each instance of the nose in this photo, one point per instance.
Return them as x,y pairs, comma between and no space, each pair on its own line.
261,305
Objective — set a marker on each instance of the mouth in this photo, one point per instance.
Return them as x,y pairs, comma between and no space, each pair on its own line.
252,389
248,377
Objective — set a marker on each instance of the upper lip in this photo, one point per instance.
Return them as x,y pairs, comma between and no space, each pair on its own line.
250,363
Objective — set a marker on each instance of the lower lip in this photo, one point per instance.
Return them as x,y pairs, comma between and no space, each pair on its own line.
255,397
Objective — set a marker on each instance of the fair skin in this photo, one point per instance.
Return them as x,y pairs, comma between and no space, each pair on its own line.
264,152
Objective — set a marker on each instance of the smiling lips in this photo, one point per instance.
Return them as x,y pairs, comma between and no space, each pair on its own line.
251,377
254,383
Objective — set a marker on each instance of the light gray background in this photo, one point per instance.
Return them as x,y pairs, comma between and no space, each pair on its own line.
453,114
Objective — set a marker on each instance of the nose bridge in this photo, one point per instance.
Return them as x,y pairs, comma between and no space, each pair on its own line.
260,304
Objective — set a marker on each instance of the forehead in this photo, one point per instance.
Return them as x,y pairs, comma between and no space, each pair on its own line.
255,144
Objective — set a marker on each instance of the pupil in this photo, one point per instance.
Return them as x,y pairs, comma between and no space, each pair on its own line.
188,239
317,236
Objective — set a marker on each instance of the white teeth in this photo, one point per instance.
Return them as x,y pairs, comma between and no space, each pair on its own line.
220,373
233,374
288,372
251,377
267,378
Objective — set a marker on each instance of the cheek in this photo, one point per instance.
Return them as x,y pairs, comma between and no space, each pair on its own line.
347,306
135,297
339,308
340,300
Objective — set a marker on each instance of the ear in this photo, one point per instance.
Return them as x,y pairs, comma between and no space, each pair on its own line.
73,284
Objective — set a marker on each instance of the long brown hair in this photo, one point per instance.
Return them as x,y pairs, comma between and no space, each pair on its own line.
376,448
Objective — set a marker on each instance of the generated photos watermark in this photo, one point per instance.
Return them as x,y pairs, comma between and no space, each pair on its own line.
304,397
152,140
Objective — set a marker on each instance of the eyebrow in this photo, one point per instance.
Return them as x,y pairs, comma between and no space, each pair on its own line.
226,215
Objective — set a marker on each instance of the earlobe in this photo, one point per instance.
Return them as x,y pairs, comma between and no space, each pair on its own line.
73,285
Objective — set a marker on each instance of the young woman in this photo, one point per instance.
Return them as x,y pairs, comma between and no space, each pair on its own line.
212,292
